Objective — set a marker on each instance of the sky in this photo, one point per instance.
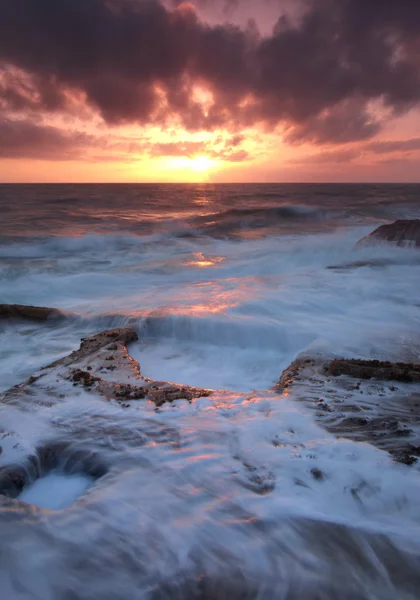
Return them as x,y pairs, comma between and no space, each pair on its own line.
209,90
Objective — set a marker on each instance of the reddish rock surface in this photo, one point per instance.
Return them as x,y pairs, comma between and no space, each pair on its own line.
102,365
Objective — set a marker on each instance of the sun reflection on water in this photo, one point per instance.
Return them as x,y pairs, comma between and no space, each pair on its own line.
210,297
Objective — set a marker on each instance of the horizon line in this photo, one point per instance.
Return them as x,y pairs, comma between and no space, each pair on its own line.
209,183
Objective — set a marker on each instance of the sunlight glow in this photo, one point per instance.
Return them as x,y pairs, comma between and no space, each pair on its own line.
202,261
201,163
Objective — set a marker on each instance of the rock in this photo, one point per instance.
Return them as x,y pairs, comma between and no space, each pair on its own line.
374,369
61,455
12,480
360,264
400,233
31,313
317,474
353,399
101,365
90,347
83,445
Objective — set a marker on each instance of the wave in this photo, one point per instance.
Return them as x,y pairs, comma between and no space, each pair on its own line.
285,218
291,211
58,246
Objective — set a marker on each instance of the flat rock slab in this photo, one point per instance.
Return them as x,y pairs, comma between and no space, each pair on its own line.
102,365
371,401
405,233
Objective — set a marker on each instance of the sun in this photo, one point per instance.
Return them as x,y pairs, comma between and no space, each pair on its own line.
201,163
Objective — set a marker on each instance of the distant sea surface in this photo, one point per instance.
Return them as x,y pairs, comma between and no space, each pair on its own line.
226,285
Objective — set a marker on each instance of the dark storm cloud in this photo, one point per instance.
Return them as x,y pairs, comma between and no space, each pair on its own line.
24,139
19,91
136,61
228,6
346,122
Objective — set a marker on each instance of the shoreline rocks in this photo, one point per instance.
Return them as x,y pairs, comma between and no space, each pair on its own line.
375,369
56,455
365,400
102,365
403,233
31,313
372,401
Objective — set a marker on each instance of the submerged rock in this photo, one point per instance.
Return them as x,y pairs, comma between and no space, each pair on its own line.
361,264
404,233
358,399
31,313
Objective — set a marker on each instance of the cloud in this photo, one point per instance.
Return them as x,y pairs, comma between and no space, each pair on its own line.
227,152
138,61
346,122
385,147
25,139
188,148
328,157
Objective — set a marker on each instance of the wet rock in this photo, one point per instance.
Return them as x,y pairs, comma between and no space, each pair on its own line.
61,455
404,233
92,345
258,479
293,371
324,406
386,415
32,313
354,422
406,455
359,264
130,392
317,474
87,379
374,369
12,480
69,458
88,368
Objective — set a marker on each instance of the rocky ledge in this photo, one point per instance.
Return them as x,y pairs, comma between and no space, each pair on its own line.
30,313
101,365
404,233
371,401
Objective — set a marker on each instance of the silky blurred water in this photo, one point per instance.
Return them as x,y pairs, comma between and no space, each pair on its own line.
225,285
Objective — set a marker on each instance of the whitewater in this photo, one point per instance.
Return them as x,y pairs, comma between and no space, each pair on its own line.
216,498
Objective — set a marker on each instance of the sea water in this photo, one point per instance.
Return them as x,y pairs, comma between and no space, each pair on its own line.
225,286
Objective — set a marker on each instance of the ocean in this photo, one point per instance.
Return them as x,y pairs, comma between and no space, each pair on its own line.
225,285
